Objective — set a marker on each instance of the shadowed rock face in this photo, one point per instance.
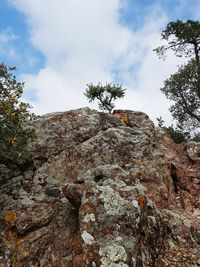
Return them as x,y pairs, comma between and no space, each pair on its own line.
102,190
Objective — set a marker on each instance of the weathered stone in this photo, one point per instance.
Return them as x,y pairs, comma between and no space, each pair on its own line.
193,150
103,190
52,191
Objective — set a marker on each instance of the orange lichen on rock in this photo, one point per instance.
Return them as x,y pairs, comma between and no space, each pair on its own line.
10,217
122,115
89,208
76,244
10,235
141,201
138,162
20,240
126,120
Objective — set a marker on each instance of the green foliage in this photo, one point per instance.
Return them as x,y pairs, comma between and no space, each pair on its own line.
177,134
183,38
104,94
183,87
15,119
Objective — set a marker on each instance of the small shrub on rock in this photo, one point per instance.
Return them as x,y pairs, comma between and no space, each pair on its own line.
104,94
15,119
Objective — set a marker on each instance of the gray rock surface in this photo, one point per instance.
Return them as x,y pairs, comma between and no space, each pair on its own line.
101,190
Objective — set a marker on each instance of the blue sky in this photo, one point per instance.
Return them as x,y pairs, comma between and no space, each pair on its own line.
59,46
17,50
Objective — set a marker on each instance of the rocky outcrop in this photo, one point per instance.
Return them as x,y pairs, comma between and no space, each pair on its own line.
101,190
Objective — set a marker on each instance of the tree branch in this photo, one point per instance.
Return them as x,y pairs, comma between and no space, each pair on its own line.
185,104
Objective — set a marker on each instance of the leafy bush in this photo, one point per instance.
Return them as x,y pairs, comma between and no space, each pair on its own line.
15,119
177,134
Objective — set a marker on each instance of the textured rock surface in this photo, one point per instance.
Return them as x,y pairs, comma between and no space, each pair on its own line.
102,190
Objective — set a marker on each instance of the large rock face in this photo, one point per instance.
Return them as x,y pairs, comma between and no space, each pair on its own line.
102,190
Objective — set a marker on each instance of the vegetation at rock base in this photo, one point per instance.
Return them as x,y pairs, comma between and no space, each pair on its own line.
183,87
177,134
15,119
104,94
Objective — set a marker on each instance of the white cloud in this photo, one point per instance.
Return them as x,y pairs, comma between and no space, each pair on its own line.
152,71
83,42
7,35
6,44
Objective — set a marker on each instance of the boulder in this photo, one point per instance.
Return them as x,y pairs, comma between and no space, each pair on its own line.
101,190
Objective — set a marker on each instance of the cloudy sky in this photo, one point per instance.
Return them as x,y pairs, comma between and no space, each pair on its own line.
58,46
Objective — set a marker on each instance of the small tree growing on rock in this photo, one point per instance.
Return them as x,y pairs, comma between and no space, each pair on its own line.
15,129
104,94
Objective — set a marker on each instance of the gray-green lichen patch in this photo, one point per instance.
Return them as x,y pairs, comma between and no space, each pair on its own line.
118,183
120,264
128,242
24,198
178,219
112,254
113,202
89,217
